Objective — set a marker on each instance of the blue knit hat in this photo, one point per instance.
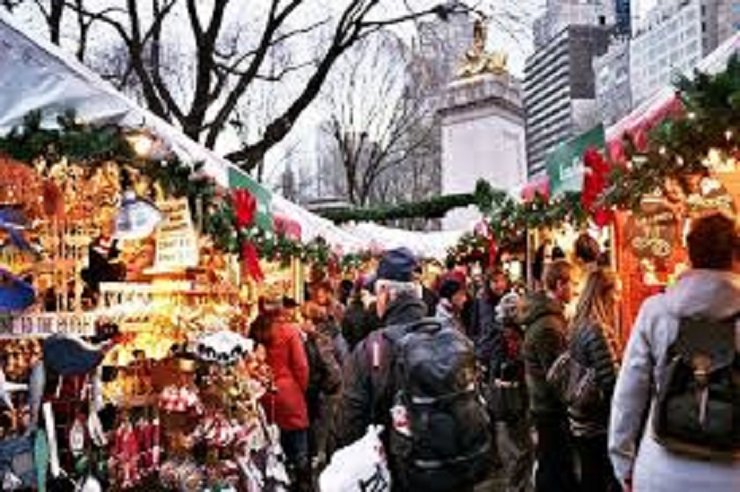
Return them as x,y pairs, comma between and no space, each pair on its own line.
397,265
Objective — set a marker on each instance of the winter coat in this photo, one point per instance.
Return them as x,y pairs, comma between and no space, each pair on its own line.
446,312
544,341
367,391
356,323
331,329
633,450
485,331
590,347
287,359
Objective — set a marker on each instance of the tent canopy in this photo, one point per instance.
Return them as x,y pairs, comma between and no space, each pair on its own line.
35,75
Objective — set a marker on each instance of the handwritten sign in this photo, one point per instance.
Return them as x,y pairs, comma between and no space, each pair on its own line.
653,232
177,242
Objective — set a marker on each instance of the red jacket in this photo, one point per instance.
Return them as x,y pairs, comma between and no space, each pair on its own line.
287,359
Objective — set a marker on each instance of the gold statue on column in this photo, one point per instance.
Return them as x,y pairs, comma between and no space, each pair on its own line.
477,61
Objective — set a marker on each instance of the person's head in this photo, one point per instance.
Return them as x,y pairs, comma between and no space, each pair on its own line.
453,289
507,310
558,280
322,293
394,278
498,282
598,299
712,242
587,249
261,328
346,286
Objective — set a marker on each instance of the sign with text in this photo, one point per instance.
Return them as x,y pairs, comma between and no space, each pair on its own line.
177,242
565,163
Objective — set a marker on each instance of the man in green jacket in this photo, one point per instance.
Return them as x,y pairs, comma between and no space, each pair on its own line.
544,341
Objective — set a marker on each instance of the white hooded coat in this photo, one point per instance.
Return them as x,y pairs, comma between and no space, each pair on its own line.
698,293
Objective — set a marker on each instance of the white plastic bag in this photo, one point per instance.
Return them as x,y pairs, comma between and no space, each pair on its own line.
358,467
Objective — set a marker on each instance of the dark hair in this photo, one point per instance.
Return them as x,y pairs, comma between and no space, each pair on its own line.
262,325
712,242
557,253
587,248
556,271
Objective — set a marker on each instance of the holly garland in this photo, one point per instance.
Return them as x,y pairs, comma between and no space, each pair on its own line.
92,146
703,136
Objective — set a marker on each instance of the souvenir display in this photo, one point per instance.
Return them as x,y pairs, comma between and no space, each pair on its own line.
127,352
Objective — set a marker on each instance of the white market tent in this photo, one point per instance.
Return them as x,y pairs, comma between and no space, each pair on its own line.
36,75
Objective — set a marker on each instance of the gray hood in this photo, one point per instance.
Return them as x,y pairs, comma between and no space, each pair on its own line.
705,293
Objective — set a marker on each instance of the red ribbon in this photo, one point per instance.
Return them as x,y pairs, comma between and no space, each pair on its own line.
251,262
492,248
595,181
245,208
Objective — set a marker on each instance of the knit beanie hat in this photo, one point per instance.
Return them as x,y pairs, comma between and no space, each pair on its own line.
451,284
508,307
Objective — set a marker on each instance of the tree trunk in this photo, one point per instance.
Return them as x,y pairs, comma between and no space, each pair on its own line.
54,20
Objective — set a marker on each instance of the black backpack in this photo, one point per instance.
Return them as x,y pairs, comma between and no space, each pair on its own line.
448,443
698,404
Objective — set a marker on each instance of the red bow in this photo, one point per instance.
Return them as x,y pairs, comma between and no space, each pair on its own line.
594,183
245,208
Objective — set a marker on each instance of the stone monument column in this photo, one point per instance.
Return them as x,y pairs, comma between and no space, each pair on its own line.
483,135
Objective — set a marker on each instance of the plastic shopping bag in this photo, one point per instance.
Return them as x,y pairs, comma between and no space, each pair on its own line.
359,467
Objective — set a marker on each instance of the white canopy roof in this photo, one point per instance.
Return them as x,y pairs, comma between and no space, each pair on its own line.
36,75
423,244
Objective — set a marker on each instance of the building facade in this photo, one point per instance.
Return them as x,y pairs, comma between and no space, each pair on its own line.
560,14
728,14
673,38
559,90
613,88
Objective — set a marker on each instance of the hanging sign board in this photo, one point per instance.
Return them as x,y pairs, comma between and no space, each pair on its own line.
653,231
565,164
177,242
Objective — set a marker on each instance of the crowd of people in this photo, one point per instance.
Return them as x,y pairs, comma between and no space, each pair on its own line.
472,376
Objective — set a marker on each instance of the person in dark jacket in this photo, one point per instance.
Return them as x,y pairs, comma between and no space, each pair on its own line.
508,399
368,394
322,395
356,323
544,342
485,332
594,345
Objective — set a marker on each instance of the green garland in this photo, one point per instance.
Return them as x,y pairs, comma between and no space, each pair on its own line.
92,146
432,208
677,148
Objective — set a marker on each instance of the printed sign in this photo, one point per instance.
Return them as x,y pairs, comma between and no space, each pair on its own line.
565,163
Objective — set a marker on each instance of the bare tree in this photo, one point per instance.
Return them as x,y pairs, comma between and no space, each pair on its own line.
379,118
224,68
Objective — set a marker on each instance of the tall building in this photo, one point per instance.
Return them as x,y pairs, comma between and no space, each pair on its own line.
728,13
673,38
560,14
559,90
613,89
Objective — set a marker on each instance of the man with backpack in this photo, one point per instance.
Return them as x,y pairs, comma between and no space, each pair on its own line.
675,418
416,377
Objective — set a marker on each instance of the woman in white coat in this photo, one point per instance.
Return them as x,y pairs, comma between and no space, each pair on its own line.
710,290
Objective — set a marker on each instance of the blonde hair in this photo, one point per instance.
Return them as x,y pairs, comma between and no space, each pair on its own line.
596,303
